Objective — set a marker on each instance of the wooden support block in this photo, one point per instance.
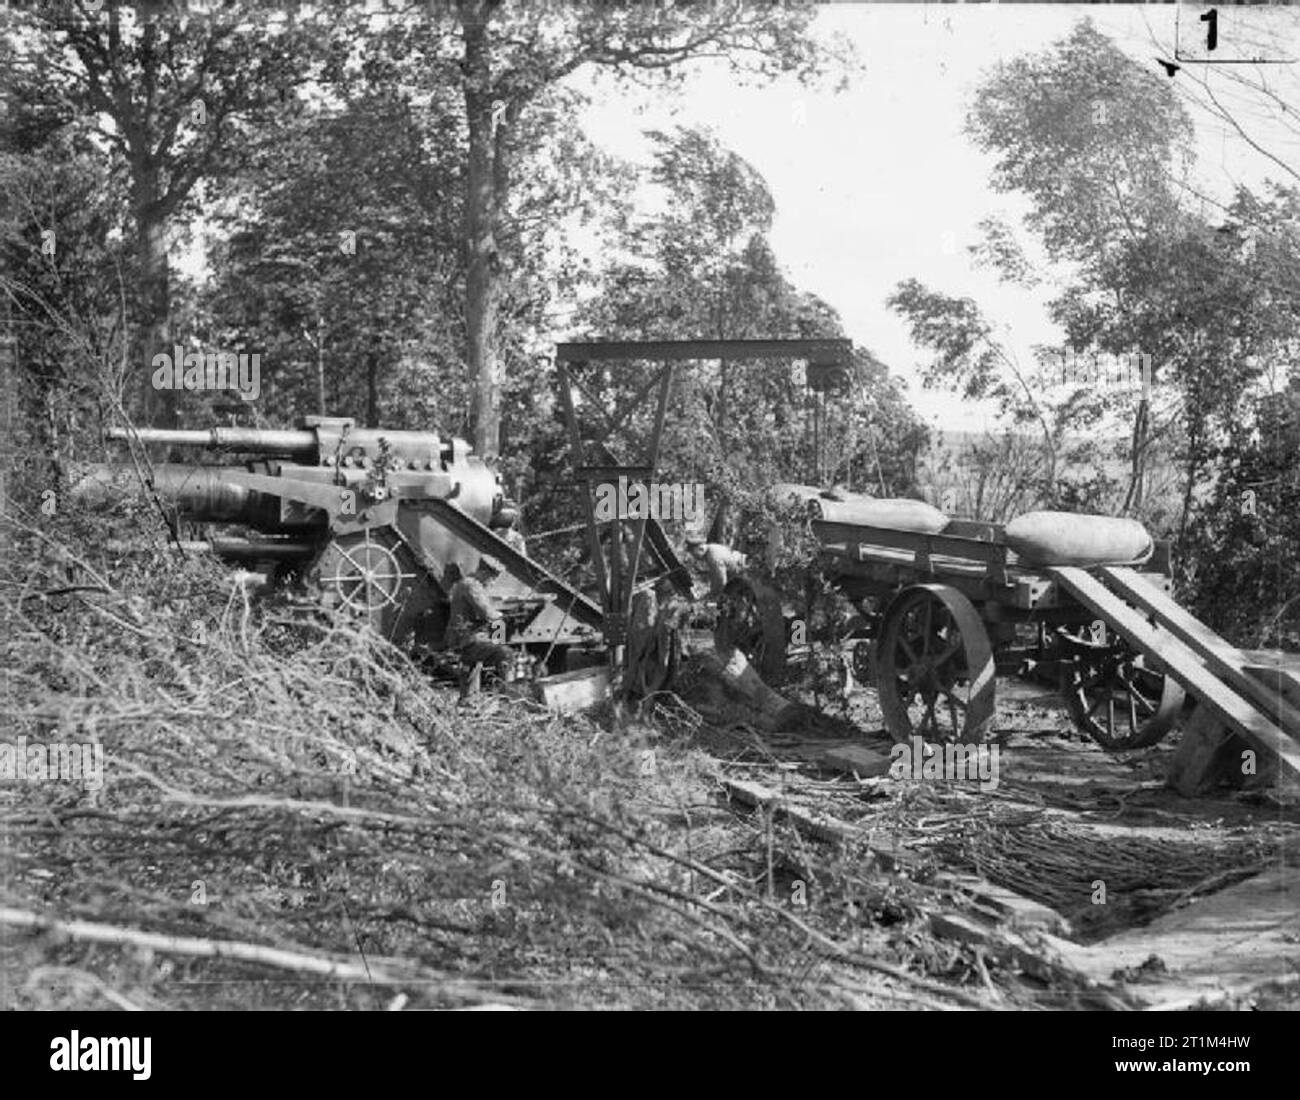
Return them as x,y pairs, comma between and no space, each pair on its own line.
573,691
1208,750
859,760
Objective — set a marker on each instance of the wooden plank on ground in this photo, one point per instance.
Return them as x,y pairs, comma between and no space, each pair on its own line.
1219,949
822,826
1021,913
858,760
1225,660
891,854
1035,955
1179,661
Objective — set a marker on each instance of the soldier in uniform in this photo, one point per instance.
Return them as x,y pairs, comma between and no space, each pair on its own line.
470,625
654,641
720,562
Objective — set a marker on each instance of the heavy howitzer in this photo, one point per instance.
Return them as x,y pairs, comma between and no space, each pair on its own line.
380,522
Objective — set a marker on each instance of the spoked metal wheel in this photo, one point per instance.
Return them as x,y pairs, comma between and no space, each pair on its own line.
750,620
935,667
863,658
365,571
1112,693
858,642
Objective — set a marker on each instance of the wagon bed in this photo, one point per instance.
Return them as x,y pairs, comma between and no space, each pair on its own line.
971,556
1125,655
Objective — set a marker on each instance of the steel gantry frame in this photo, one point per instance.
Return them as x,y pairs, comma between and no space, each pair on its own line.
825,358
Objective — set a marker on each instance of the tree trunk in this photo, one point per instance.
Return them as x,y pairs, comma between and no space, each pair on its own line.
140,130
1192,468
156,331
481,206
724,380
323,408
372,390
1137,459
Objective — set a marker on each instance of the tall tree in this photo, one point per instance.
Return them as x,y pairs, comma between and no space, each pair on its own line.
1246,545
1096,141
511,59
61,289
177,95
1100,145
340,259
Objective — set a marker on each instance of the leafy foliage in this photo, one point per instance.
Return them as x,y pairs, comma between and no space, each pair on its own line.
339,263
174,99
63,278
1244,548
706,270
1089,136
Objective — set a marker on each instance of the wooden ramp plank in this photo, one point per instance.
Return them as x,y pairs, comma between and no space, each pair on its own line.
1222,658
1182,663
1279,672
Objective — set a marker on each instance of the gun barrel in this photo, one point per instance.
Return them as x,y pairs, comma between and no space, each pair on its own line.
199,493
262,440
232,548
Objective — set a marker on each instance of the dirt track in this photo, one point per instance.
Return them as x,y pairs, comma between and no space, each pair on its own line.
1161,899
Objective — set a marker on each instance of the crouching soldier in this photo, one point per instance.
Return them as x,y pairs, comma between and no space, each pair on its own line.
654,646
471,629
721,563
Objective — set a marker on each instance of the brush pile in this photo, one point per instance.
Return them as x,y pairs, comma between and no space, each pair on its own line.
292,816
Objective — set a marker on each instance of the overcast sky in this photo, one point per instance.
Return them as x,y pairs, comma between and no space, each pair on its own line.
878,184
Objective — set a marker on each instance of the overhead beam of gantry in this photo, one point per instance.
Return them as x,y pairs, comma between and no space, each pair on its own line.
670,350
